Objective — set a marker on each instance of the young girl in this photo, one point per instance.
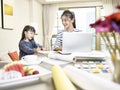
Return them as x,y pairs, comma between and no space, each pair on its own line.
68,21
27,45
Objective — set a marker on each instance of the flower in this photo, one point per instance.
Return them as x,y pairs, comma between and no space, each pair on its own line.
108,27
118,6
109,23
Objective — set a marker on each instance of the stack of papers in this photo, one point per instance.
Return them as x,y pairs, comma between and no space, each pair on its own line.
94,55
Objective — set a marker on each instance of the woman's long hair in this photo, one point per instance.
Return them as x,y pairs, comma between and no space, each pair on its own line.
71,15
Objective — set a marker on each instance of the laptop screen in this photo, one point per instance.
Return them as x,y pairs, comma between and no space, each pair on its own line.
77,42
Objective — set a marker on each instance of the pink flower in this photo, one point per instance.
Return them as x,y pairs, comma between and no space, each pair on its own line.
101,29
118,6
110,23
98,22
102,26
116,26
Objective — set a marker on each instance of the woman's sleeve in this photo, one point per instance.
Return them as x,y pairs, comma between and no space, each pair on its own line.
25,48
58,42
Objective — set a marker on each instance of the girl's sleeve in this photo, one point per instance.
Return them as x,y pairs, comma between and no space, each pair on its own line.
36,45
25,48
40,46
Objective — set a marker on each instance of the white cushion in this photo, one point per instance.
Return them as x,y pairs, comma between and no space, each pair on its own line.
5,57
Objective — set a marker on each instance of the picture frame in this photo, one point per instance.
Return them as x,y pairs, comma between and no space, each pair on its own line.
7,14
0,17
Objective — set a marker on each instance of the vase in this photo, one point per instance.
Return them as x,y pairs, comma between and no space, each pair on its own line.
116,72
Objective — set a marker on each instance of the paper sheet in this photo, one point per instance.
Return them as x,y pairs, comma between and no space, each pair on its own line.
95,55
53,61
89,81
57,56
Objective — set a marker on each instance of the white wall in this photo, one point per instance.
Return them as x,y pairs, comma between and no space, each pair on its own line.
37,18
9,39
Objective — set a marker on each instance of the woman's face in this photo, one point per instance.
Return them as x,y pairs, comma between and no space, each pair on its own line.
29,35
67,22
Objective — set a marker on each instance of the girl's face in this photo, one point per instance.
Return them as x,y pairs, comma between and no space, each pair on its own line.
29,35
67,22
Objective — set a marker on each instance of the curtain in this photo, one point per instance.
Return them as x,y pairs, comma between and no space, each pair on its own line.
109,6
49,18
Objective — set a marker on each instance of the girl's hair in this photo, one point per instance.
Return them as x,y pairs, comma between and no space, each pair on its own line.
70,15
27,28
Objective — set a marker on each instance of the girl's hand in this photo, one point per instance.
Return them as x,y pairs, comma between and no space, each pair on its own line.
44,49
37,49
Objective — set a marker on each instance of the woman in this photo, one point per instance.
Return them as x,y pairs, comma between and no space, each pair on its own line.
68,21
27,45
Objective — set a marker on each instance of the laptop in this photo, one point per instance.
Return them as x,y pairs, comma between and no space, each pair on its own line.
77,42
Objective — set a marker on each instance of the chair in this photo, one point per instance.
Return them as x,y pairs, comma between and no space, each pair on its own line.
14,55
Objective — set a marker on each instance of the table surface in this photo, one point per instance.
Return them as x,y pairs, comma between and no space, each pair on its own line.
44,83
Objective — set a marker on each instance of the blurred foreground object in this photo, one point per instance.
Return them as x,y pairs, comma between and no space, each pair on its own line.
109,29
61,81
89,81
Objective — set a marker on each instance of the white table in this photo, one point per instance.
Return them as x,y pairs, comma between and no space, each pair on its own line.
45,83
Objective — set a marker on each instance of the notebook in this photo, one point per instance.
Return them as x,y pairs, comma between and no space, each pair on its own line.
77,42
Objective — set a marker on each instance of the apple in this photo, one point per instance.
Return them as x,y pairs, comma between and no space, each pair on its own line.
35,72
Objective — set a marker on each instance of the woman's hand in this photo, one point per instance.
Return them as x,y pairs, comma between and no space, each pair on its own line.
58,49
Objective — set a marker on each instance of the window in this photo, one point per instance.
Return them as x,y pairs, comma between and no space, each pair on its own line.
84,17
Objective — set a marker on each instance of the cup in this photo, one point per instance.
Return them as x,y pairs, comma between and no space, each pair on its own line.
30,58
